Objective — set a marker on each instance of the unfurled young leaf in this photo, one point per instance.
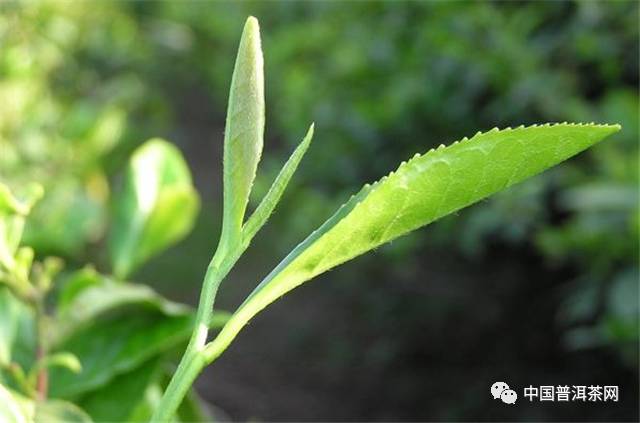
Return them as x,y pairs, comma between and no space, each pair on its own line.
271,199
244,132
157,207
422,190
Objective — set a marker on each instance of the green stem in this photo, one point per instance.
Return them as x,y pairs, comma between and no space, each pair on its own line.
189,368
193,360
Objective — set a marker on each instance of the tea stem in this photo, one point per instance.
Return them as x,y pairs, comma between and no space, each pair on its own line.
193,360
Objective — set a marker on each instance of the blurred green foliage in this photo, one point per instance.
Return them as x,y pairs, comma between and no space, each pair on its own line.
83,85
61,119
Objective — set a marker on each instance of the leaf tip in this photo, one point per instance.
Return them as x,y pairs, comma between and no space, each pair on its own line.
252,33
252,24
310,131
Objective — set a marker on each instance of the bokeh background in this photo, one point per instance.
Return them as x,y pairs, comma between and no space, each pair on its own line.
538,285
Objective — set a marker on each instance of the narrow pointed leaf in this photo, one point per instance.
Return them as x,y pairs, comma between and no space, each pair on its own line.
244,131
271,199
422,190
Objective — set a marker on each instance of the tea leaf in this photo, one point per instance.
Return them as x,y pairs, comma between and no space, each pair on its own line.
422,190
86,295
271,199
92,308
244,131
141,335
156,208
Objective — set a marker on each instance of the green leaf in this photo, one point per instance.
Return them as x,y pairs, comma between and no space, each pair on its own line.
17,337
157,207
116,345
86,295
271,199
422,190
56,411
244,132
123,396
112,328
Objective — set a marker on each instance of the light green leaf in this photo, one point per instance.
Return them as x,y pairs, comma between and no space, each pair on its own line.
56,411
13,210
15,408
23,261
157,207
63,359
9,203
271,199
244,132
71,214
422,190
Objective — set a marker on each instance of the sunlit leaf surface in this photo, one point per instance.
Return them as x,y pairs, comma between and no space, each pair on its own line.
156,208
420,191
